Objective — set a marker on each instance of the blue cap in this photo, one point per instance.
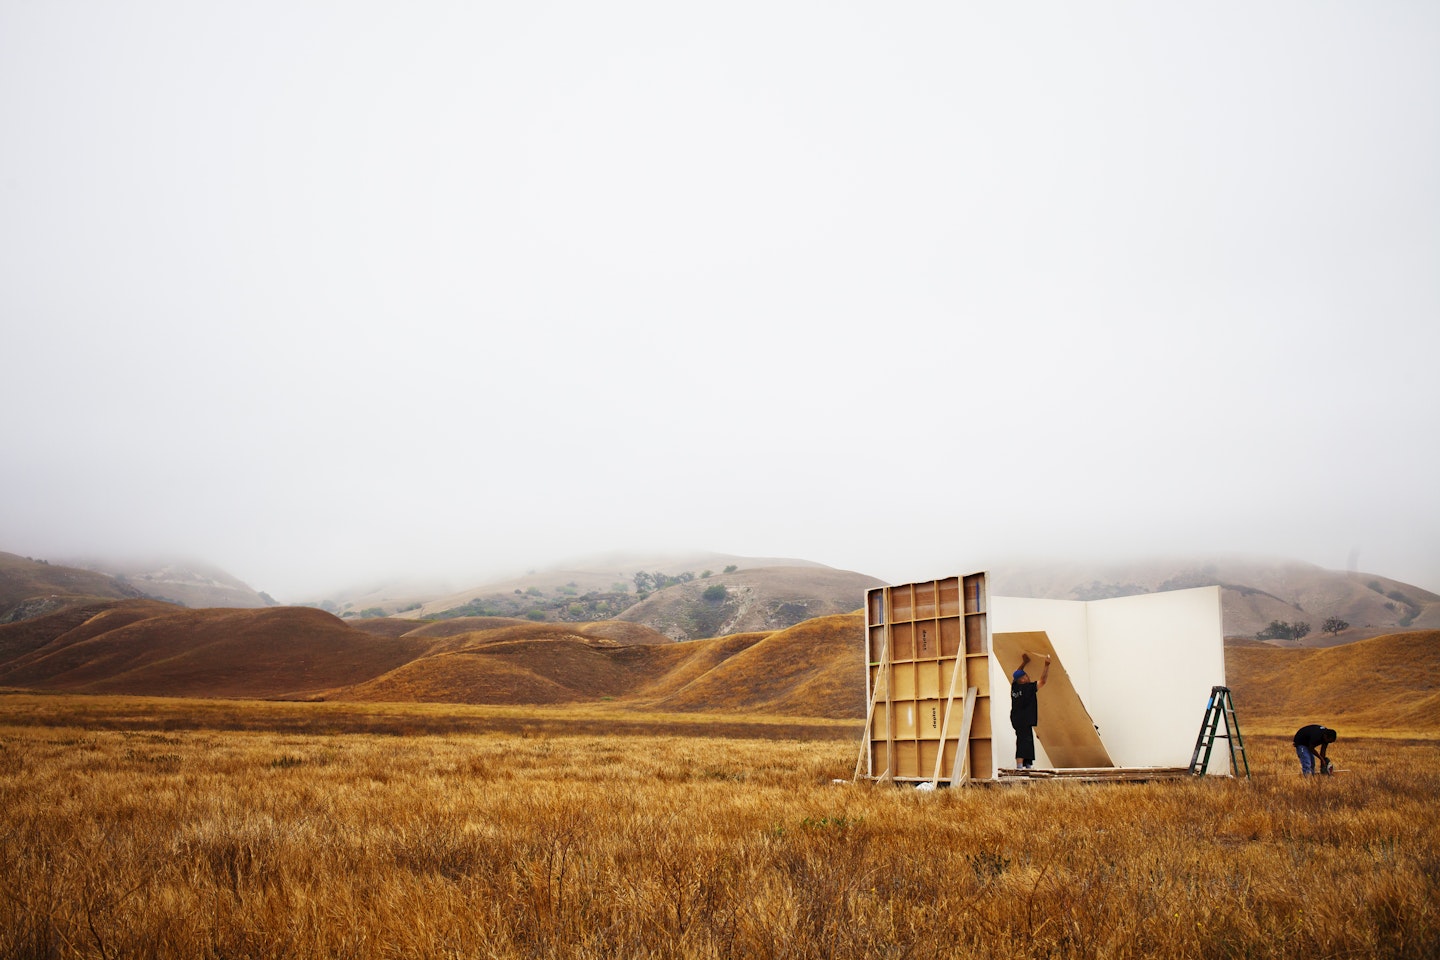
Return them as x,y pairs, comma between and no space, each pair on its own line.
1018,674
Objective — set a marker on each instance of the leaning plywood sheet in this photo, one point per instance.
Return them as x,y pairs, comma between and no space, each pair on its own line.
1065,729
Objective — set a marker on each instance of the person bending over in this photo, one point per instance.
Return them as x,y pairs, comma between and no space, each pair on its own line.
1311,742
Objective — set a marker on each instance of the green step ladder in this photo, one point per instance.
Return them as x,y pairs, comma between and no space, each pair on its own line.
1219,707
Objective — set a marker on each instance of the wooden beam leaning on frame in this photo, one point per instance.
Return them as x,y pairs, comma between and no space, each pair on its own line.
882,678
961,767
960,770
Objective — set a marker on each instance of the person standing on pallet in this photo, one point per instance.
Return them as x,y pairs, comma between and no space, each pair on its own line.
1025,710
1310,743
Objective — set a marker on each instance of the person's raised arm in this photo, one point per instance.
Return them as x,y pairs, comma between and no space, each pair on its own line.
1045,674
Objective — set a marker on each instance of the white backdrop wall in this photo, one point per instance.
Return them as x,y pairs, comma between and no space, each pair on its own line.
1143,666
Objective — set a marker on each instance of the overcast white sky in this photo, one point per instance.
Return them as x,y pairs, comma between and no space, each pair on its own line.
320,292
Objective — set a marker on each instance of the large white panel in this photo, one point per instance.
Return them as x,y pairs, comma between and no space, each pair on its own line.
1143,666
1153,660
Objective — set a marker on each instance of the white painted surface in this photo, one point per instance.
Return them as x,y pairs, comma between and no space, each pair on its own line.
1143,666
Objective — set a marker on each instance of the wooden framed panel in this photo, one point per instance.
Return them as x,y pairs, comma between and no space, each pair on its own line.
926,645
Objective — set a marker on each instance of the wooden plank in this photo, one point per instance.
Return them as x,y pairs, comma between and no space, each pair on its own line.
962,750
888,669
882,679
1065,729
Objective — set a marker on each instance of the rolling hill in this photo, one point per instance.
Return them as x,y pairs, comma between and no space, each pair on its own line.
156,649
812,669
1374,684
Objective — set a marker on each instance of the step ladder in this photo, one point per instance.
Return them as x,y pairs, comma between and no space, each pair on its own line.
1219,707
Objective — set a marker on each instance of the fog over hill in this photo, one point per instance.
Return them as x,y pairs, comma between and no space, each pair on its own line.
190,583
768,593
687,596
1255,592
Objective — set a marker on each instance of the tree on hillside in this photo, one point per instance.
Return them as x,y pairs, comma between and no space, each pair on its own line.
647,582
1333,625
1280,630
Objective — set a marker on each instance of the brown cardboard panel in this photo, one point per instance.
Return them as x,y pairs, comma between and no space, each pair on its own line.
973,590
928,751
907,759
903,682
947,669
947,769
875,606
982,764
975,634
950,605
927,680
1065,729
902,603
928,715
979,722
906,720
926,638
977,672
924,600
951,631
902,640
877,643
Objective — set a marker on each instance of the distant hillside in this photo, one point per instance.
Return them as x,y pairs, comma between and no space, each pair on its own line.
189,583
154,649
30,588
813,669
666,593
748,600
1374,684
1254,592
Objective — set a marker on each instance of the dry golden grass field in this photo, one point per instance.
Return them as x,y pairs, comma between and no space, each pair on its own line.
208,828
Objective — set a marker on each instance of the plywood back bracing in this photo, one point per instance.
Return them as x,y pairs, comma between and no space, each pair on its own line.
1065,730
926,645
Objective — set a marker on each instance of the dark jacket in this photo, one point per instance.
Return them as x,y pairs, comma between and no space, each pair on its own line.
1314,736
1024,708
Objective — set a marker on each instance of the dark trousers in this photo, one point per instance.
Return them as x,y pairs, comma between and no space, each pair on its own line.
1025,744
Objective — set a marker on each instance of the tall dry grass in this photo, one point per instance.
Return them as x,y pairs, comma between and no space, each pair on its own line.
202,842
